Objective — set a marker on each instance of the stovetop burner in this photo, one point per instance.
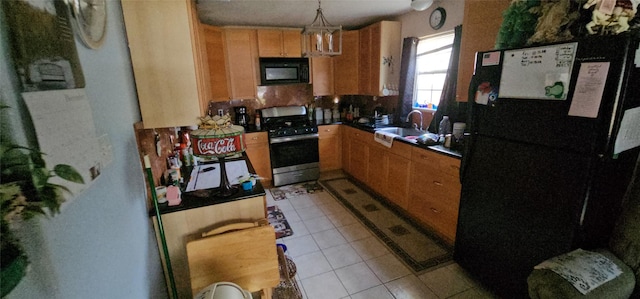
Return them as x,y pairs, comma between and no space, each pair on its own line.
287,121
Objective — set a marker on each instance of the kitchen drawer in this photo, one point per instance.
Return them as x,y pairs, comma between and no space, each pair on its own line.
363,136
256,138
328,130
450,166
440,216
424,156
432,181
401,149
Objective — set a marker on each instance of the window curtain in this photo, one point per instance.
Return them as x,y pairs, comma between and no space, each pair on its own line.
407,77
448,105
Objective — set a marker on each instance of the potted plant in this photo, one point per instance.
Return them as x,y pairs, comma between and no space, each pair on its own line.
25,191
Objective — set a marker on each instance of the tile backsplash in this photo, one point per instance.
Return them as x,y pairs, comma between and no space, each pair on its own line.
302,94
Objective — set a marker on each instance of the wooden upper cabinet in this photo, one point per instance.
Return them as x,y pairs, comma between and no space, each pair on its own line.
380,54
292,43
279,43
364,62
171,77
216,62
322,76
345,66
482,20
242,62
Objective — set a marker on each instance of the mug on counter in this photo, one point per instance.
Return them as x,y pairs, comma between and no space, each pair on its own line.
458,129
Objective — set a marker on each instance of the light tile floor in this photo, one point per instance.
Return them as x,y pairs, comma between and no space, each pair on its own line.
337,257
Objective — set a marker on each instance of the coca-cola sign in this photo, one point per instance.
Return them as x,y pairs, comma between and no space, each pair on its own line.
222,146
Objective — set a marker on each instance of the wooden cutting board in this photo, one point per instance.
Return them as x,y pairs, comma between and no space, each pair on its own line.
246,257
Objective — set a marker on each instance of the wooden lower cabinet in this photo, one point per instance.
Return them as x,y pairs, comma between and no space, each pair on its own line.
330,147
434,195
257,149
377,172
359,162
422,183
347,132
185,226
358,153
398,177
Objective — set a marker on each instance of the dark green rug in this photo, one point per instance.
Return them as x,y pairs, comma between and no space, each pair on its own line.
417,247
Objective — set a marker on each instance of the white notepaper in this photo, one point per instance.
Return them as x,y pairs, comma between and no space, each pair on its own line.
211,179
629,133
589,88
540,73
66,133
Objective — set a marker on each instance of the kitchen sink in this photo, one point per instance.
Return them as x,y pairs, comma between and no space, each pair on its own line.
402,132
411,135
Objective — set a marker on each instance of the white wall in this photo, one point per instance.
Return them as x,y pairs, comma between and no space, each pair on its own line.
102,244
416,23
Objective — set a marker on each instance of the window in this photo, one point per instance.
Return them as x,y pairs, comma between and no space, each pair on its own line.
432,63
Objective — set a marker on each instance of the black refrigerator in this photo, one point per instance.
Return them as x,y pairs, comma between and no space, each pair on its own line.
554,134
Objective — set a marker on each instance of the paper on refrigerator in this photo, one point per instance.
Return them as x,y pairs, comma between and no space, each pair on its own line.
540,73
629,133
589,88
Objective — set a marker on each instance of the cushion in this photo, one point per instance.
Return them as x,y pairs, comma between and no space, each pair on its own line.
625,240
544,283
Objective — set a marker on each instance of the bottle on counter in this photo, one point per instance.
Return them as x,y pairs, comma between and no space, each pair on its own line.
445,127
319,115
185,145
257,121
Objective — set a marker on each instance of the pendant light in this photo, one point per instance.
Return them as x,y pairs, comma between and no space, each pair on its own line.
321,38
421,5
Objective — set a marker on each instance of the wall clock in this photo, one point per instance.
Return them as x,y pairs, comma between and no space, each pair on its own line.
437,18
89,19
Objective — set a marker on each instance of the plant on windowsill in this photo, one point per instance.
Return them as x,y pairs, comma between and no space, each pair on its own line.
25,192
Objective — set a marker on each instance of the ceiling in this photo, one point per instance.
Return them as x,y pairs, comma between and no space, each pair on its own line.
351,14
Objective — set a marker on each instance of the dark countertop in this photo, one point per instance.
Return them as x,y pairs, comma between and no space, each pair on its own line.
436,148
455,153
207,197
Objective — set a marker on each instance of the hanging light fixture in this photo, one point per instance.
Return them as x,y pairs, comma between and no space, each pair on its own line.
321,38
421,5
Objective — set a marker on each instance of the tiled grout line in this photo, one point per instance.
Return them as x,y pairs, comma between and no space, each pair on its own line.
318,204
338,228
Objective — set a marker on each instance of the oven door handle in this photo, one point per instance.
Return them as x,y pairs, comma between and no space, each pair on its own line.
293,138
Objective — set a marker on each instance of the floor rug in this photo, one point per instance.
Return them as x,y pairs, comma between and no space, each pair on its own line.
418,248
279,222
290,191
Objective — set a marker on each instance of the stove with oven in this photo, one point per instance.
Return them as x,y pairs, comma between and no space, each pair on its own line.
293,144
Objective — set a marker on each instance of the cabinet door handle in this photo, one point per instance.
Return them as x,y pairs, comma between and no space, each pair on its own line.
435,210
327,130
254,138
437,183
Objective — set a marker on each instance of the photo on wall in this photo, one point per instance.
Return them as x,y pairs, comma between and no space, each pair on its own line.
43,45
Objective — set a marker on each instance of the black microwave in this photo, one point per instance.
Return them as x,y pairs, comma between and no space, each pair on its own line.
275,71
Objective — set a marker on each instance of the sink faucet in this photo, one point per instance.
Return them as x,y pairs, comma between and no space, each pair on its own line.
409,118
